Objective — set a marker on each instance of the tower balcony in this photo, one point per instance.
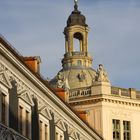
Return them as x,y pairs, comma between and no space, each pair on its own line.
76,54
7,133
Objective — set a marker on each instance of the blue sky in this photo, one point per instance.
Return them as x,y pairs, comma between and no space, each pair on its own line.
35,27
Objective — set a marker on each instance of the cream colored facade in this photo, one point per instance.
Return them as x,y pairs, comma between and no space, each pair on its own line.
103,108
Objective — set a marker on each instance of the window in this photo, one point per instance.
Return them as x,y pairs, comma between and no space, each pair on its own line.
40,127
3,109
27,124
126,130
116,129
20,119
56,136
79,62
46,132
59,135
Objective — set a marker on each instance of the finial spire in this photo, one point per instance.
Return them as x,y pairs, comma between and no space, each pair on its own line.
76,5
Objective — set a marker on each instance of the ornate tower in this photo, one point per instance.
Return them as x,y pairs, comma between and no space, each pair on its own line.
76,29
76,69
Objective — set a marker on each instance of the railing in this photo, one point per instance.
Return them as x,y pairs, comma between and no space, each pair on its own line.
79,93
125,92
120,91
78,53
10,134
138,94
114,91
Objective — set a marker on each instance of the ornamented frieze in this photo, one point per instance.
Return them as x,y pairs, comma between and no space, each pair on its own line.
9,134
4,79
45,112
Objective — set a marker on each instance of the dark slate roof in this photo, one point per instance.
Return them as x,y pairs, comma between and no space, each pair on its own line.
76,18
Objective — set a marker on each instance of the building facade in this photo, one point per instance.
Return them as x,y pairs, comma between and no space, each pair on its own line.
113,112
29,108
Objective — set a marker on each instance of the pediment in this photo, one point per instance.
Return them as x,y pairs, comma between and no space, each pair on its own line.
46,112
61,125
74,135
4,79
26,97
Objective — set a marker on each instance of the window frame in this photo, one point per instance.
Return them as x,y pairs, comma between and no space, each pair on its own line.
45,122
26,108
4,90
126,130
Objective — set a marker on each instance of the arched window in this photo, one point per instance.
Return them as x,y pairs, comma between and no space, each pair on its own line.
78,42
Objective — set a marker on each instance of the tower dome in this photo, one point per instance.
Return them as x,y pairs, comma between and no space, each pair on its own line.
76,18
77,69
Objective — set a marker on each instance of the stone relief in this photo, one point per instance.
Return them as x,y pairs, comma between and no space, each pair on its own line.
101,74
81,76
62,82
9,134
2,68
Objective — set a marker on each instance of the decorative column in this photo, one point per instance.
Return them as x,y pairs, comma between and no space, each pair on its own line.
52,128
35,121
13,106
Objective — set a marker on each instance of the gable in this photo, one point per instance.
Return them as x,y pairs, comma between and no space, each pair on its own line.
4,79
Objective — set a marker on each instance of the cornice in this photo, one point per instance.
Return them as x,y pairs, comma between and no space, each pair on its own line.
106,98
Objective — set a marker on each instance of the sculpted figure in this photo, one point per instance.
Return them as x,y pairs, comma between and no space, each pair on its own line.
101,74
60,80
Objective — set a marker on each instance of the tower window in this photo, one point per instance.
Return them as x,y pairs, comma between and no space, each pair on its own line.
79,62
78,42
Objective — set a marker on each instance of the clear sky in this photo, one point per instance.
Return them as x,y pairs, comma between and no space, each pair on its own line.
35,27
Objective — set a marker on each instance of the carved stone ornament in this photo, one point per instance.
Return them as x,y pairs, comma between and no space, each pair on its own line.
61,125
5,79
81,76
60,80
46,112
9,134
26,96
101,74
2,67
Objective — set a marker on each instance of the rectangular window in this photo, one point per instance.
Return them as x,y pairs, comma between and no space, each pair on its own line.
20,119
126,130
46,132
61,137
3,109
56,136
116,129
27,124
40,127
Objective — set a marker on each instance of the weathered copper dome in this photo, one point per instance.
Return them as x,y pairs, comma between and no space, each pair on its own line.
76,18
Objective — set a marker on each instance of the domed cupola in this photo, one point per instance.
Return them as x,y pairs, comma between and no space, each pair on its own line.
76,72
76,18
